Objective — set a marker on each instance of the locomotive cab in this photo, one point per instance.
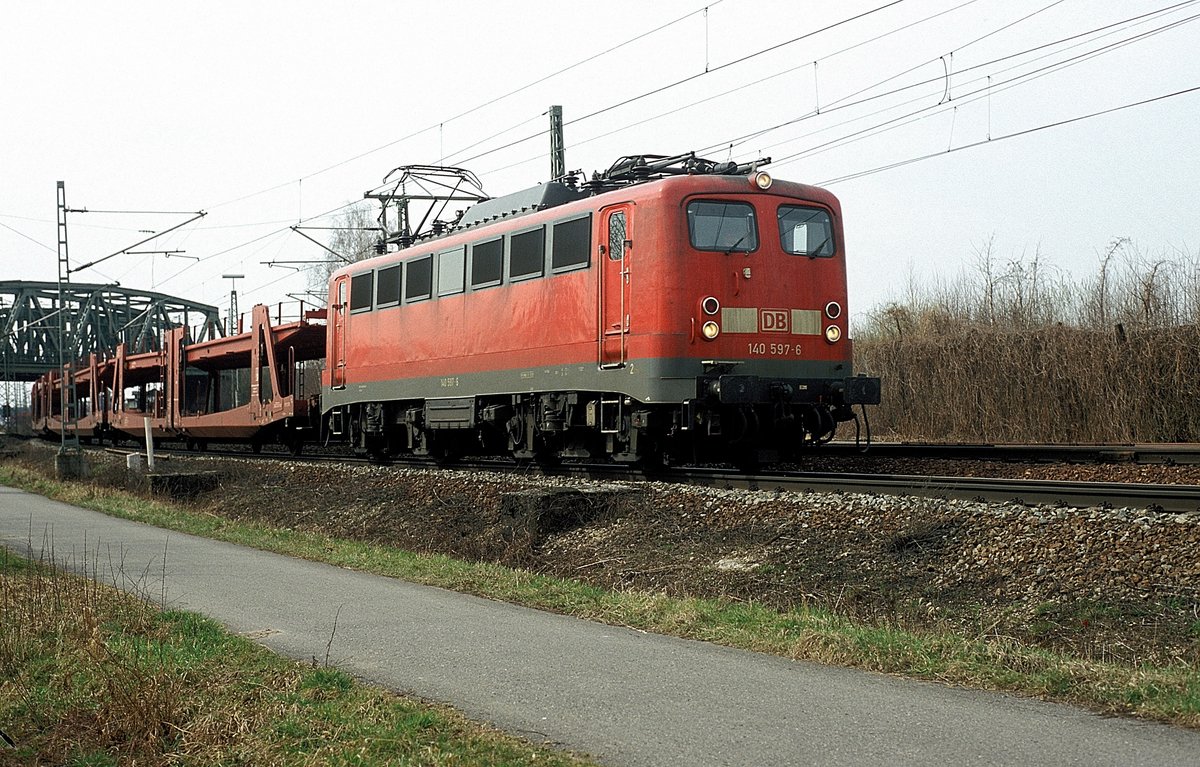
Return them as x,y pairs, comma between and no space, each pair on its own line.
739,306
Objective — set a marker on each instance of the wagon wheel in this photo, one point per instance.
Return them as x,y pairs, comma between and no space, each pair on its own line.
656,460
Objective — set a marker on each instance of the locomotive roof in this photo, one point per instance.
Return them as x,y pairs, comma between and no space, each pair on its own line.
500,210
540,197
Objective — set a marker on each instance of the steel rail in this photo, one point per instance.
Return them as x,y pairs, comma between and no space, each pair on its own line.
1147,453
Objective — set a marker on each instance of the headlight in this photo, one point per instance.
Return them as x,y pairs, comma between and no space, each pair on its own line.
710,330
833,310
710,306
833,334
761,179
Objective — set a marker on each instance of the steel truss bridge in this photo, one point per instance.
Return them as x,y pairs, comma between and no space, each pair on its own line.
96,319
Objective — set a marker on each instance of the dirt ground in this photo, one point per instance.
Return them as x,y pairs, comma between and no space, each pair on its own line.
1105,583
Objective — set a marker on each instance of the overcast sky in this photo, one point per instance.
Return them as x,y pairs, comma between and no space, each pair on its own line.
266,113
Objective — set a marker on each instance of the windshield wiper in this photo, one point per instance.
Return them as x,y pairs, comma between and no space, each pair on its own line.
817,250
733,247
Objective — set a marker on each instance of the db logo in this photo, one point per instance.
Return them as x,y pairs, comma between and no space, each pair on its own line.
773,320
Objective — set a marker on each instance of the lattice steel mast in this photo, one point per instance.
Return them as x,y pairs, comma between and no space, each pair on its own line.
66,366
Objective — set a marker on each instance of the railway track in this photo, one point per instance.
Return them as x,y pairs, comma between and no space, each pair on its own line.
1179,454
1170,498
1154,497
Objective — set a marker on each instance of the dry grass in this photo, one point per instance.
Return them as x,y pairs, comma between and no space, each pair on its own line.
1014,352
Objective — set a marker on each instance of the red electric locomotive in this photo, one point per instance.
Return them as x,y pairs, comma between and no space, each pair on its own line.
670,308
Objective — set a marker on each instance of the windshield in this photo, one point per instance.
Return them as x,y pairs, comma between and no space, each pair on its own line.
805,231
723,226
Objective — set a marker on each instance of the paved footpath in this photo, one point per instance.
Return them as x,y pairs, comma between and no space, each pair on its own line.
625,697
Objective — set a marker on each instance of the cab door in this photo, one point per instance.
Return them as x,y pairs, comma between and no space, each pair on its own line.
616,250
337,335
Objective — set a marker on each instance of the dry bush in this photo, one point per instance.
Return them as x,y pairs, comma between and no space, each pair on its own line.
1017,352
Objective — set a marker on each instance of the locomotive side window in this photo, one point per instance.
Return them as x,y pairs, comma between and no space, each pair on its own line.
725,226
360,291
571,244
805,231
418,282
487,263
451,270
387,286
527,254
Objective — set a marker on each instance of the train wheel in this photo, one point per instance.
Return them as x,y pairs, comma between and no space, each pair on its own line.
654,461
442,448
546,450
376,448
820,425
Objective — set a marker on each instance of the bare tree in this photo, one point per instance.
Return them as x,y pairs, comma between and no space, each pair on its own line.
351,238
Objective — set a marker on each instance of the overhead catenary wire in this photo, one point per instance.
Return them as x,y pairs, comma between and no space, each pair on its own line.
842,103
714,97
440,123
31,239
975,95
995,139
690,78
281,230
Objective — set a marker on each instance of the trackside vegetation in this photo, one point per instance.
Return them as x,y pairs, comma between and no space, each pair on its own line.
1167,690
93,676
1013,350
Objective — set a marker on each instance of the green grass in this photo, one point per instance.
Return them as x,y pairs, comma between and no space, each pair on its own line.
95,677
1168,693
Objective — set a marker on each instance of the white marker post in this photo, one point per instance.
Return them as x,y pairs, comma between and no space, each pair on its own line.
149,445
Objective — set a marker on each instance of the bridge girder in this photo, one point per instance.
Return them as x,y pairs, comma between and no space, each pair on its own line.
98,318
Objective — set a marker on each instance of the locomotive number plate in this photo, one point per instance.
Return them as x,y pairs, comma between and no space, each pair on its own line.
774,350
